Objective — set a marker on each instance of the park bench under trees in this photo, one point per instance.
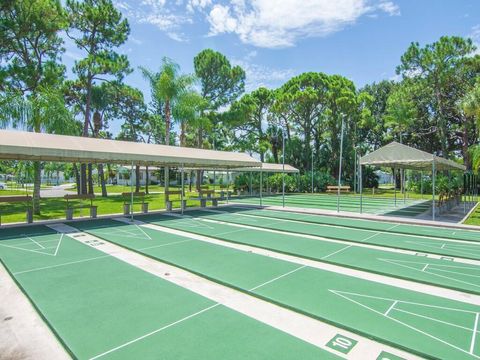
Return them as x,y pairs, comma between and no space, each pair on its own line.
79,201
334,189
177,197
26,199
138,198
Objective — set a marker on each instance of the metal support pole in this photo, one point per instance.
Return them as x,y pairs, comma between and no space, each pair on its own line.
433,190
228,182
360,183
404,188
395,186
312,171
261,186
340,165
355,172
421,184
181,191
131,193
283,168
251,190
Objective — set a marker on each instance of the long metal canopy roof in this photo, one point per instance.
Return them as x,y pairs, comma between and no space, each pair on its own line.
21,145
396,155
270,168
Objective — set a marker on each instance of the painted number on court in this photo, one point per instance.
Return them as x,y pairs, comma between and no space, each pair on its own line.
387,356
342,343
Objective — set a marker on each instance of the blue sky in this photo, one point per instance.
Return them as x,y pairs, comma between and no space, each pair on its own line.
274,40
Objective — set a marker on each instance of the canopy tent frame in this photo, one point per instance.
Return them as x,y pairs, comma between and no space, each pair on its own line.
23,145
401,156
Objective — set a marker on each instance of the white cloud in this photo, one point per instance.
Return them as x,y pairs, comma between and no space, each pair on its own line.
259,75
168,18
262,23
390,8
273,23
475,36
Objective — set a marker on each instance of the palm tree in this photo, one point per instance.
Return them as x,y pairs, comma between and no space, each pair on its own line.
44,111
167,86
471,107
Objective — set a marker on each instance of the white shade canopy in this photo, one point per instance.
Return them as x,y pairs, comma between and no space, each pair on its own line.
21,145
270,168
396,155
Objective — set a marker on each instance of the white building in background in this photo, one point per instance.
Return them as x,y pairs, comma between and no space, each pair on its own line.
384,177
55,178
122,176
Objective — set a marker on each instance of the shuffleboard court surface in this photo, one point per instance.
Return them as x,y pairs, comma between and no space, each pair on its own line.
427,325
101,307
393,227
377,205
424,243
445,273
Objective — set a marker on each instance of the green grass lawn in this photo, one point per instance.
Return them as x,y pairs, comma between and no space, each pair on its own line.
474,218
54,208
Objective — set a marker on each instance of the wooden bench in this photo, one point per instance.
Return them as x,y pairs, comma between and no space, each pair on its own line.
27,199
71,206
206,195
138,198
334,189
179,198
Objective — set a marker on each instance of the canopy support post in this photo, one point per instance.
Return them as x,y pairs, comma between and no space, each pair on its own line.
433,190
261,186
355,171
404,188
421,184
312,171
131,193
340,165
283,168
228,183
395,186
181,191
360,184
251,190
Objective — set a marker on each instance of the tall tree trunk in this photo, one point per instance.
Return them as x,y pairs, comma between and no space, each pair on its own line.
147,179
90,179
183,130
83,167
137,178
101,175
36,187
465,152
77,177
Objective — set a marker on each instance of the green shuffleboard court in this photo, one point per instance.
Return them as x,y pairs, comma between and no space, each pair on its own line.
423,243
427,325
101,307
365,224
441,272
351,203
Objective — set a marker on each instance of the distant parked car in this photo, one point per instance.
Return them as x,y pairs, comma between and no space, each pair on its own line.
3,186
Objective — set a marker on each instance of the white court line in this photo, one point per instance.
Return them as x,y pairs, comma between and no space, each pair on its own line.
167,244
155,331
58,245
29,238
433,319
391,307
405,324
425,267
58,265
336,252
474,335
277,278
139,228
